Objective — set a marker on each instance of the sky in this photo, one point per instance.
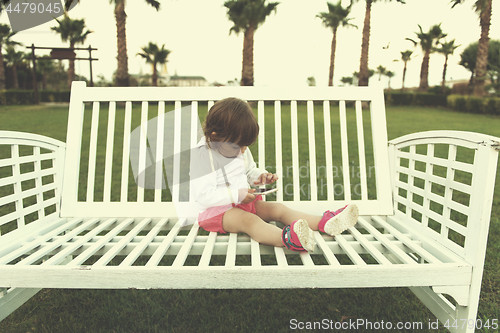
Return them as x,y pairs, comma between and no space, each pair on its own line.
289,47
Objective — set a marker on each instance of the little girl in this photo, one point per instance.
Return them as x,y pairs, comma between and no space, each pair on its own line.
221,170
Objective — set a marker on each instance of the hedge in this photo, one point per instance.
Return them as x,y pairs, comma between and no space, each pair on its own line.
411,98
488,105
13,97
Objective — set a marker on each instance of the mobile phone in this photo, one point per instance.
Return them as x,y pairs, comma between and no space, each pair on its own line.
264,191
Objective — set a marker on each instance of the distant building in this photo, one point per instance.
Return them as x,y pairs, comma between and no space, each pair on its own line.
187,81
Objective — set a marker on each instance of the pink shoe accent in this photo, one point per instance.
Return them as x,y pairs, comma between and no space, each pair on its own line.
334,223
298,236
327,216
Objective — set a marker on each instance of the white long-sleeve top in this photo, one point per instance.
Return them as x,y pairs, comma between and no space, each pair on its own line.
208,184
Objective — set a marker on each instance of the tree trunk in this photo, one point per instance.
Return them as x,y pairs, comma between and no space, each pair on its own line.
2,72
122,77
424,73
332,58
154,78
363,64
404,76
482,51
14,77
247,66
443,82
71,69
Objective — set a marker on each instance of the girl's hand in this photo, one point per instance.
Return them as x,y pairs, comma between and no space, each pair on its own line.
266,178
248,195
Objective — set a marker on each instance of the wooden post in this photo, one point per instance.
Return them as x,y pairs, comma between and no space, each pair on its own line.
90,62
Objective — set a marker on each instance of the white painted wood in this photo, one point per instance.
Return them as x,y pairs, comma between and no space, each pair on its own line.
160,180
160,251
353,255
313,189
295,151
208,250
13,299
134,229
139,248
255,253
231,250
279,152
328,149
186,247
361,150
126,153
82,257
109,151
240,277
344,152
327,252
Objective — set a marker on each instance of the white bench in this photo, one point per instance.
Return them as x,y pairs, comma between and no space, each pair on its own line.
73,216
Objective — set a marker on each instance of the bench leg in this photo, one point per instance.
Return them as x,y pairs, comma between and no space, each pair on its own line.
459,319
11,299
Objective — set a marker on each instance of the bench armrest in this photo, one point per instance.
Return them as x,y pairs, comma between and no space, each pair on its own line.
443,184
31,171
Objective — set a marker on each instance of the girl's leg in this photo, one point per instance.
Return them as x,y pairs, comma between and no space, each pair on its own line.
238,220
332,223
273,211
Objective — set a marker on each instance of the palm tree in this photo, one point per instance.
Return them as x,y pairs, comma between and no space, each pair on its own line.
122,76
247,16
364,74
483,8
428,41
447,49
45,67
381,70
405,56
13,58
5,35
154,56
390,75
336,16
71,31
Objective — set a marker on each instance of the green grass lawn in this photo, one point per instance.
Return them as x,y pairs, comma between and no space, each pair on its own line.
57,310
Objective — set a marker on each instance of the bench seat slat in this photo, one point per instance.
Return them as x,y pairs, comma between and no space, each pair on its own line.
21,250
207,251
104,240
327,252
186,246
167,241
401,255
369,247
78,243
353,255
231,250
139,248
55,244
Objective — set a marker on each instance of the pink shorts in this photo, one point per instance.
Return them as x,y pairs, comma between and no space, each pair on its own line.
211,219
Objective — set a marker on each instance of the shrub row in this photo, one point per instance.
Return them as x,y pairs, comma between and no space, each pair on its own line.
489,105
464,103
411,98
17,97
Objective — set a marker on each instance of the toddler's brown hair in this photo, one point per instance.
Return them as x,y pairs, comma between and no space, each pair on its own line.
233,120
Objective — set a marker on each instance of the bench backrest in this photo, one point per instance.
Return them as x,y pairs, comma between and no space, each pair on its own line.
328,145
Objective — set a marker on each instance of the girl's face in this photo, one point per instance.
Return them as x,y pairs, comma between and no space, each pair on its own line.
228,149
